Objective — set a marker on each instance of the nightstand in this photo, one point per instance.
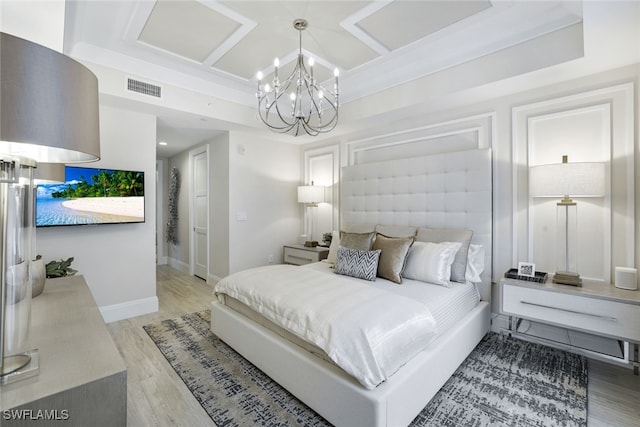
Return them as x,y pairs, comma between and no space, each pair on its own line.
591,313
300,254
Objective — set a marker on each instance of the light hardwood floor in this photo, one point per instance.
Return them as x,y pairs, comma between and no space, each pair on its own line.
158,397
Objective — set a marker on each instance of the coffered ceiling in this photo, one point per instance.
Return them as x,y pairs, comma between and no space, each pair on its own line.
227,42
216,47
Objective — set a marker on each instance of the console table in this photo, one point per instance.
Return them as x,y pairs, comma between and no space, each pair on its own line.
595,309
82,378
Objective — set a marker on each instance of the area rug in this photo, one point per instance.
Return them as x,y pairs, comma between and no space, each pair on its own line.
503,382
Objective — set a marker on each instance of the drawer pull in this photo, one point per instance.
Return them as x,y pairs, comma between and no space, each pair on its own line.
612,319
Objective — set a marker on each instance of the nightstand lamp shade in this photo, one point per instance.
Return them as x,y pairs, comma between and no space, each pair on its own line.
567,180
311,195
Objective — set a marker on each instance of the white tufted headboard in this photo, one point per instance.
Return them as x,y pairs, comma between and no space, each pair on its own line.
448,190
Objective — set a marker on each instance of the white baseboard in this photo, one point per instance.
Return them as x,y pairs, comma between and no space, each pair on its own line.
162,260
125,310
178,265
213,279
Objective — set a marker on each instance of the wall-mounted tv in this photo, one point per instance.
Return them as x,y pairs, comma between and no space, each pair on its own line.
91,196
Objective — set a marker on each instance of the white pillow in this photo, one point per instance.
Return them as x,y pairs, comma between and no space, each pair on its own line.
431,262
333,247
475,263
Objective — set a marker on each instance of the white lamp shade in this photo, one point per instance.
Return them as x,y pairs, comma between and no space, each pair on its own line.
567,179
311,194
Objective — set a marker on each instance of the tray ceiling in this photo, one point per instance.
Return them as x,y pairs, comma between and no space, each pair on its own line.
227,42
215,48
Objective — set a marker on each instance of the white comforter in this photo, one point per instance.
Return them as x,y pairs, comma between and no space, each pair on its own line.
370,333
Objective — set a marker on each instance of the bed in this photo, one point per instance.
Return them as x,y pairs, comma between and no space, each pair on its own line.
449,191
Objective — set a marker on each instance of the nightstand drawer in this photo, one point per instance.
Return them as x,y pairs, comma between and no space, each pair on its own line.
300,256
596,315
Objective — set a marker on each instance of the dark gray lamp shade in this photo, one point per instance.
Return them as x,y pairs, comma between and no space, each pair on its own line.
48,104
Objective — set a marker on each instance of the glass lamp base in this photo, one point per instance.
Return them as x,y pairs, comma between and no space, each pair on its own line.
20,366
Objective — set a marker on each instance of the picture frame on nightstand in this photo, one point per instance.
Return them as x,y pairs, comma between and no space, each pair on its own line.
538,277
527,269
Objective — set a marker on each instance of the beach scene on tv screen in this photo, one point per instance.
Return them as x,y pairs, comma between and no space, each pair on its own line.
91,196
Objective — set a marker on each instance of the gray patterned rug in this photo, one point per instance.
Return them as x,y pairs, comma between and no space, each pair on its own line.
502,383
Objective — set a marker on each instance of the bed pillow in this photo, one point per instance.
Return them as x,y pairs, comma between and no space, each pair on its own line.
437,235
393,256
396,230
360,241
431,262
333,247
357,263
475,263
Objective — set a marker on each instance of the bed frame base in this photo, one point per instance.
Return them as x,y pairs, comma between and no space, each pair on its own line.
339,398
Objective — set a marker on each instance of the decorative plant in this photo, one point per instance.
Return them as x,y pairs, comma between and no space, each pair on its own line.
326,237
60,268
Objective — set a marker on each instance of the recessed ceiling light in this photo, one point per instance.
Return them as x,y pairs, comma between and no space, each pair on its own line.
162,143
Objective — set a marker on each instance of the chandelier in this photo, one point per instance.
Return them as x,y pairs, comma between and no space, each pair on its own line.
298,103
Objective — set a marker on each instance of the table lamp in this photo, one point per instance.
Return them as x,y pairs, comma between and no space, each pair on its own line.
567,180
48,113
310,195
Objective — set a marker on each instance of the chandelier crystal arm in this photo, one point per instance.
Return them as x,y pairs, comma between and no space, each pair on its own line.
298,103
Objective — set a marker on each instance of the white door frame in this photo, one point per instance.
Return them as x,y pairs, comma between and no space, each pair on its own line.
192,250
161,256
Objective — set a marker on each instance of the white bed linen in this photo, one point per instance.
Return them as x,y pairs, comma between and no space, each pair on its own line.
350,320
447,305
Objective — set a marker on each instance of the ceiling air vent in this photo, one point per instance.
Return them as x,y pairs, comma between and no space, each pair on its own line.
144,88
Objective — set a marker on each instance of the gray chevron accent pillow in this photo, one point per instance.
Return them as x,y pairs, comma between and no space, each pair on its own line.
357,263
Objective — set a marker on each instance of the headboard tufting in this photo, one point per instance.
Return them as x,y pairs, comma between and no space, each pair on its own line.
447,190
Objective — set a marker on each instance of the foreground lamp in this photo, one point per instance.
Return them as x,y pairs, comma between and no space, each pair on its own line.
566,180
49,173
48,113
310,195
298,103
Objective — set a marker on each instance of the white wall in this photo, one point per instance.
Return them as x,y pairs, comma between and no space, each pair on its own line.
263,180
219,207
117,260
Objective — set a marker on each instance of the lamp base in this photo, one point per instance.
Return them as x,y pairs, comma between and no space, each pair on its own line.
20,366
567,278
311,243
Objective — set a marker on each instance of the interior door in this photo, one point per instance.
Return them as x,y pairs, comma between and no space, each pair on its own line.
201,215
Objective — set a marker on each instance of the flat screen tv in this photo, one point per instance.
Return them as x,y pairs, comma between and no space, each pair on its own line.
91,196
